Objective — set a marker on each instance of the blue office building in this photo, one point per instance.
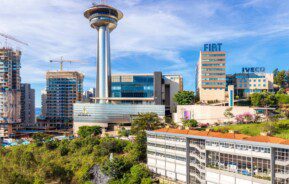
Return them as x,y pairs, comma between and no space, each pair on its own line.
150,89
140,86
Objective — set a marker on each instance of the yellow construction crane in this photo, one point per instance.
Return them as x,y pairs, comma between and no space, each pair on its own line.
61,61
6,36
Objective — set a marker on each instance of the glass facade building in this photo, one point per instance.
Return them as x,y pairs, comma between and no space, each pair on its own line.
155,88
92,114
132,86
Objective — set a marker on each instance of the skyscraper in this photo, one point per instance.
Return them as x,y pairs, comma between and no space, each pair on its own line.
9,91
63,89
27,105
211,73
104,18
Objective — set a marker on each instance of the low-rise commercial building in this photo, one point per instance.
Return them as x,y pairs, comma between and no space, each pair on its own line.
249,83
108,116
191,156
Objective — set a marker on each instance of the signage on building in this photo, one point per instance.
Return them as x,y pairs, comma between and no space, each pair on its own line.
253,69
84,112
212,47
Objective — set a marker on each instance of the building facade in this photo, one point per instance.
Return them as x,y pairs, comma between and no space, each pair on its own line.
63,89
43,103
214,114
10,93
108,116
211,74
249,83
89,95
150,89
27,105
190,156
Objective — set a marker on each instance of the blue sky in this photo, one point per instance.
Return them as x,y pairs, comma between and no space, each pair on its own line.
154,35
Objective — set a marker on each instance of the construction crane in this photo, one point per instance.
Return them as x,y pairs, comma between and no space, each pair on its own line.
61,61
11,38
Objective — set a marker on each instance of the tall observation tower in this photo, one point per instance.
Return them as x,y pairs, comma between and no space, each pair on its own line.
104,19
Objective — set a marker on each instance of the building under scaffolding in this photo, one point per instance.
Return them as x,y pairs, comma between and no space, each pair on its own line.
63,89
10,94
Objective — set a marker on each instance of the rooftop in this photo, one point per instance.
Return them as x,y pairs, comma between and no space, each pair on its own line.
234,136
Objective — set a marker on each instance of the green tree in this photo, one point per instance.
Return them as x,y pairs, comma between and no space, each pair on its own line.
263,99
138,173
117,167
280,78
190,123
184,97
85,131
146,121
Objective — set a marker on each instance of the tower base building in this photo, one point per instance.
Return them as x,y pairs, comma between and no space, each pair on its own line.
108,116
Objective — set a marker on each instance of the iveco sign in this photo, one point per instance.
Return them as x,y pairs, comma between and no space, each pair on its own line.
253,69
212,47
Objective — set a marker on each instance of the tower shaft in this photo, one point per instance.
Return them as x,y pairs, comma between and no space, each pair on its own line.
103,64
103,18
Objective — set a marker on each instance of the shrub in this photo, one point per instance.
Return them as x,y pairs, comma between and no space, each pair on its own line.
86,131
246,118
190,123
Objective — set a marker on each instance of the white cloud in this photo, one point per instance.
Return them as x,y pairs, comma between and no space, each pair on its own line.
159,29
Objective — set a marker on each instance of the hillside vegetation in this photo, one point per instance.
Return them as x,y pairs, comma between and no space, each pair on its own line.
278,129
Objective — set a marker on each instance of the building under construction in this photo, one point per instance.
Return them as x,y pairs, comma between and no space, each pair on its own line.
10,92
63,89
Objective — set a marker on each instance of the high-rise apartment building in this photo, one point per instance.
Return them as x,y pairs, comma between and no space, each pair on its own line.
43,103
27,105
63,89
9,91
211,73
206,157
153,88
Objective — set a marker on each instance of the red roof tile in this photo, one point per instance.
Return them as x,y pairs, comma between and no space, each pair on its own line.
235,136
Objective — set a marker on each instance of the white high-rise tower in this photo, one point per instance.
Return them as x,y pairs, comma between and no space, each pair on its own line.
104,18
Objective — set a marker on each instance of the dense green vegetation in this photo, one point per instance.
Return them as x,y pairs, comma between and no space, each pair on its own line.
70,161
264,99
277,129
281,78
63,161
184,97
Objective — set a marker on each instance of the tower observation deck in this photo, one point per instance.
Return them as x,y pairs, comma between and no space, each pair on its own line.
104,19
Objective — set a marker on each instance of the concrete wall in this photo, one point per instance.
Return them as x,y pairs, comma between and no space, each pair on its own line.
208,114
212,94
